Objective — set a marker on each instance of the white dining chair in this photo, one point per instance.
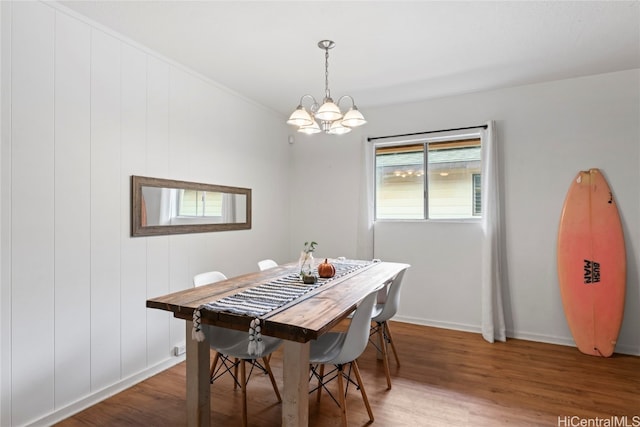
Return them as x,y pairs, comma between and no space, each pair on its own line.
231,344
380,325
341,349
265,264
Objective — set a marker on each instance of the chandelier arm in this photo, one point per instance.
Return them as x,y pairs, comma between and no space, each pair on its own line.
353,103
314,104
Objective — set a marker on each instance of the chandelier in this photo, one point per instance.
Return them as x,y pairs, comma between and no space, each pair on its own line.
326,117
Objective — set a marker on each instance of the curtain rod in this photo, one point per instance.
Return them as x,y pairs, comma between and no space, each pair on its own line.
426,132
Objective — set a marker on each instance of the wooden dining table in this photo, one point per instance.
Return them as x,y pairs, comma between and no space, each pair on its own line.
296,323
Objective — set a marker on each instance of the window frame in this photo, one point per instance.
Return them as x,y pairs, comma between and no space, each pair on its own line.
205,214
476,192
432,137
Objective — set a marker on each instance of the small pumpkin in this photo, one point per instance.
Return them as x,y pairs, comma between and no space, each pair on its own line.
326,270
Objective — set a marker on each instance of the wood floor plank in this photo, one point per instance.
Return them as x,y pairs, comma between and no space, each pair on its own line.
447,378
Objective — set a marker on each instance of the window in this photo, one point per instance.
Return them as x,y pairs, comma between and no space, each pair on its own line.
199,203
433,178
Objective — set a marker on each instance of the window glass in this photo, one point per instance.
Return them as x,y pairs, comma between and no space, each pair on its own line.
199,203
447,188
400,182
451,166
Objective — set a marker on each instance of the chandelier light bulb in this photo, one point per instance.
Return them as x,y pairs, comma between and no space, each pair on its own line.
353,118
337,128
310,129
300,117
328,111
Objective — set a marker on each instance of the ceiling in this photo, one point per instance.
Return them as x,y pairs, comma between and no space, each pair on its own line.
386,51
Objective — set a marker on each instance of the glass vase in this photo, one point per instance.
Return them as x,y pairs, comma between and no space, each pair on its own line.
305,263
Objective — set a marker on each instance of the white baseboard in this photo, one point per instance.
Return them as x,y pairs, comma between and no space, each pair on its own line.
100,395
438,324
549,339
628,349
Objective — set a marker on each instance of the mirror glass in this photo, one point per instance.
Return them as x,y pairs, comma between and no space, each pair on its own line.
162,206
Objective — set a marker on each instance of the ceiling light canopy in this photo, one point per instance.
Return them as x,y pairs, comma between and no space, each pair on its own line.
327,117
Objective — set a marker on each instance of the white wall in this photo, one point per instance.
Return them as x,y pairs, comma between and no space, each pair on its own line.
547,133
324,193
83,110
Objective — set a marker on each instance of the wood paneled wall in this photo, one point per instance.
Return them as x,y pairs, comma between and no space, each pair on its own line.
88,109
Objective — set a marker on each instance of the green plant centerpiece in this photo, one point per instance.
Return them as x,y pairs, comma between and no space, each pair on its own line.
306,262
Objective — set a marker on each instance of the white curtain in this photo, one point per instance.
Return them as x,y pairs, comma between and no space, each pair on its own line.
168,205
228,208
493,326
365,216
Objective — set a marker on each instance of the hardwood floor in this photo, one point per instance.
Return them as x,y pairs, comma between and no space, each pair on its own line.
447,378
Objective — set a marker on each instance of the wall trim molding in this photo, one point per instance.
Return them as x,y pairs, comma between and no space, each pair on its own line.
527,336
105,393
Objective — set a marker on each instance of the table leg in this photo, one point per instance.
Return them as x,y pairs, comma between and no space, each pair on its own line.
295,404
198,386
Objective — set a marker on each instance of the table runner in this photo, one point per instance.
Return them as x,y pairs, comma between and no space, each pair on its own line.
266,297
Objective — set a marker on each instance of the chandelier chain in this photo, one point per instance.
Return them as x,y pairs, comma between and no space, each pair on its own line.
327,93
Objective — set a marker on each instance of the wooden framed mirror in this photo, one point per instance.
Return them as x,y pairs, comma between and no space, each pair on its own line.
164,206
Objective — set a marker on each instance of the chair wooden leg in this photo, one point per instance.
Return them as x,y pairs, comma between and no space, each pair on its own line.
385,355
273,381
342,397
393,347
243,382
381,341
216,357
235,372
320,380
361,386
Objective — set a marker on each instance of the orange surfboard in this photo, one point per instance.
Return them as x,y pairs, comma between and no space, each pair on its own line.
592,264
